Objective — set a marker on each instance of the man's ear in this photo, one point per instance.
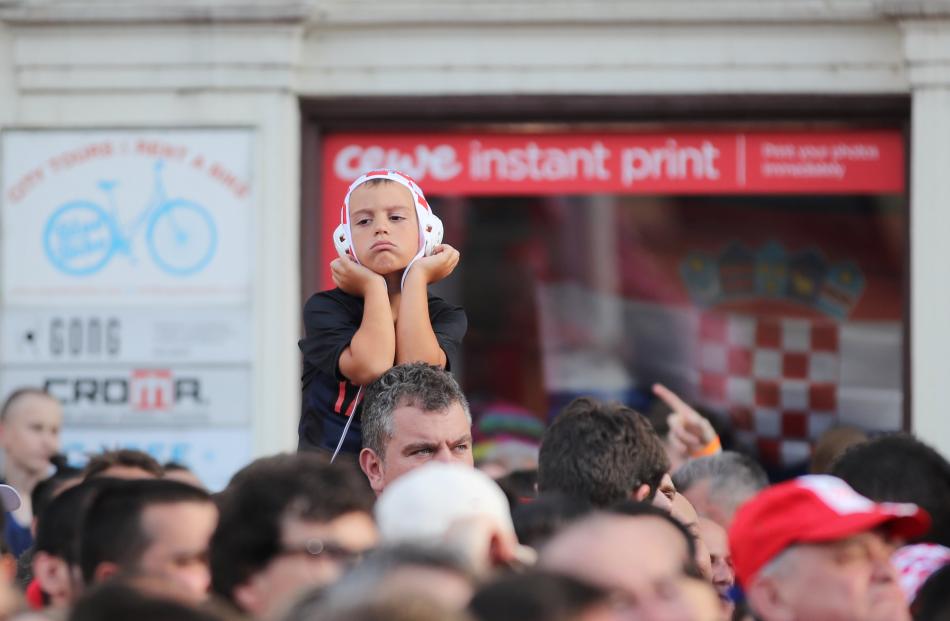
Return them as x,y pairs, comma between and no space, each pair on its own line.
8,566
767,600
372,467
248,597
641,493
104,571
52,574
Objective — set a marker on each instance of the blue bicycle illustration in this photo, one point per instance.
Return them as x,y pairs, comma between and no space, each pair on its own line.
81,237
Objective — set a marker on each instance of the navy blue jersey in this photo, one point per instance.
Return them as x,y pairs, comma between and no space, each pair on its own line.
331,318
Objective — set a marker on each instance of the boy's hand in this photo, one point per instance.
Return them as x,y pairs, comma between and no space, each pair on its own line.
354,278
437,265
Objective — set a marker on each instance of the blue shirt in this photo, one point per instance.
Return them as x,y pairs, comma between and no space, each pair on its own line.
18,538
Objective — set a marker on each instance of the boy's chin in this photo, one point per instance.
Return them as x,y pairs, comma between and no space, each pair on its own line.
388,269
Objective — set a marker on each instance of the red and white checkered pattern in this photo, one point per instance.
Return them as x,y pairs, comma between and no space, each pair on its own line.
777,377
915,563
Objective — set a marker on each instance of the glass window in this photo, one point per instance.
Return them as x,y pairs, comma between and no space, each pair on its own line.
758,274
783,314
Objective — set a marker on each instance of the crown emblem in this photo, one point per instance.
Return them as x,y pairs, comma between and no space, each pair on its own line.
806,277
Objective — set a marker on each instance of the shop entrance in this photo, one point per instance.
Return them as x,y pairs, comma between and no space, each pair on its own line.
760,274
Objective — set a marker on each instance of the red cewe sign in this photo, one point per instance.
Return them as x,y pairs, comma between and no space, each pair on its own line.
760,162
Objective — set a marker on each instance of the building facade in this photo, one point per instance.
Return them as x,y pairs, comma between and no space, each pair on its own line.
229,118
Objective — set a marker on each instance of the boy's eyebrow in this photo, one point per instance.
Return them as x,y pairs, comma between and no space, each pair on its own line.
369,212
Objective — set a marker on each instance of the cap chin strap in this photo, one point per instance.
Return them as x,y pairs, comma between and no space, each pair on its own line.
405,272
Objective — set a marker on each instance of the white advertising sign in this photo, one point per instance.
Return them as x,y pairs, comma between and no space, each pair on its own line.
126,217
125,335
141,396
214,455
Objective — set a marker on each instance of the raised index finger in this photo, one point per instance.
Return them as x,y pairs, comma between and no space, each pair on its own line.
670,398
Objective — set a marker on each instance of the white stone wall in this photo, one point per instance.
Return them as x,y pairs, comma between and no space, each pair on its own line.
133,63
60,73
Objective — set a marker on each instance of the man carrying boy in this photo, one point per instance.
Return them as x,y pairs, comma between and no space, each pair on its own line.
381,313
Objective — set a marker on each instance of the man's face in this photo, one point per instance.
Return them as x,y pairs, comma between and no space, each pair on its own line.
384,226
179,533
847,580
716,540
686,514
639,558
31,432
665,493
311,554
419,437
699,495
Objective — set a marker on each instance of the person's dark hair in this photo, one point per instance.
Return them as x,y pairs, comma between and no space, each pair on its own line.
600,451
114,600
58,526
901,468
416,384
831,445
265,493
535,596
643,509
130,458
112,529
520,486
733,477
48,488
539,520
932,603
15,396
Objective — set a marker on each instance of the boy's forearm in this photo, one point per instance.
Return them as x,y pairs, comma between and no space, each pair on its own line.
373,347
415,339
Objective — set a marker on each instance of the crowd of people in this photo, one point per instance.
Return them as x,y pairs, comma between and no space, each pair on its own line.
410,528
384,514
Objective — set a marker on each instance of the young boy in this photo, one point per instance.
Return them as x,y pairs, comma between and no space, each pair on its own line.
381,313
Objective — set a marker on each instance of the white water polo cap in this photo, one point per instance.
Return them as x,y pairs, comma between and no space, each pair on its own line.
430,227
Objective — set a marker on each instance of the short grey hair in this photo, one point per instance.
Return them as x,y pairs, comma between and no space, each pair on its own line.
415,384
779,565
733,477
381,564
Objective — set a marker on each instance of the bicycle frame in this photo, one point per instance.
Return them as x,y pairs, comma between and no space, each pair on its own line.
124,234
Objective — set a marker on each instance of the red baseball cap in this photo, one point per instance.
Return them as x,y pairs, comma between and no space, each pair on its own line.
811,509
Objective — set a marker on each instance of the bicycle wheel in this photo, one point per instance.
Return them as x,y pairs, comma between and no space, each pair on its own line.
181,237
79,238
